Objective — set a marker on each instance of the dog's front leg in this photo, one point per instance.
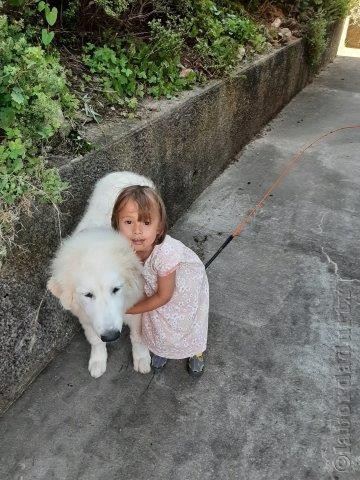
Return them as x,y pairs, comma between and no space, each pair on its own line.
98,355
141,354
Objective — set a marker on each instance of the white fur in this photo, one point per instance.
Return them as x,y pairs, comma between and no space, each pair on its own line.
96,275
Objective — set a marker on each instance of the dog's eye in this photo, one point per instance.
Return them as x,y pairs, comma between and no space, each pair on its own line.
89,295
115,290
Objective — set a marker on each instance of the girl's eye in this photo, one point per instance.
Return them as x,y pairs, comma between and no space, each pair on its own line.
147,223
128,222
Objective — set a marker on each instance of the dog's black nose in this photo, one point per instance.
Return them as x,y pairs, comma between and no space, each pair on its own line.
110,336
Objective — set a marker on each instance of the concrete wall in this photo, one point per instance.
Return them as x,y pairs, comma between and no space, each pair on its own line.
182,147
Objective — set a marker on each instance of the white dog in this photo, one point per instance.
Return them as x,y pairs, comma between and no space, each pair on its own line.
97,276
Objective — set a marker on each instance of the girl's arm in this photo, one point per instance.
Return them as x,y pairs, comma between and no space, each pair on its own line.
166,286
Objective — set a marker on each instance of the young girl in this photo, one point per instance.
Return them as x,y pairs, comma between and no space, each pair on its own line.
175,308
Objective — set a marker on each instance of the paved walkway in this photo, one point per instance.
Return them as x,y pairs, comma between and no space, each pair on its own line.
272,398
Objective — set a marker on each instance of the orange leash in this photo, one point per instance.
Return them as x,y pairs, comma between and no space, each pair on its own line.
288,167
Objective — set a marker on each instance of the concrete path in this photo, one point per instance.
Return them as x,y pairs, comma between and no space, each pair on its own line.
276,402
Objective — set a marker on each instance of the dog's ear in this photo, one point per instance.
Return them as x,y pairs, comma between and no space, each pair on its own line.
54,287
65,295
67,298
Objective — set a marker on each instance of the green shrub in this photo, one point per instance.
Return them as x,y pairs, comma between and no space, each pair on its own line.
317,16
114,8
34,100
316,34
220,34
133,67
332,10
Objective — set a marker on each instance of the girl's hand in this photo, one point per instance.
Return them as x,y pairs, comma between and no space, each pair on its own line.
131,310
166,287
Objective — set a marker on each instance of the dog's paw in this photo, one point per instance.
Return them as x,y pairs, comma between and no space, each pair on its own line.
142,364
97,367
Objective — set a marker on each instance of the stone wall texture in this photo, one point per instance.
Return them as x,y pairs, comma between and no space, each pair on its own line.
183,147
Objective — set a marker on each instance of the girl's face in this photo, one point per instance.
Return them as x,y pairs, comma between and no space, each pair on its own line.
142,235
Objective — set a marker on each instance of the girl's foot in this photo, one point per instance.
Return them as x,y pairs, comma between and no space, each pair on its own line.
195,365
157,363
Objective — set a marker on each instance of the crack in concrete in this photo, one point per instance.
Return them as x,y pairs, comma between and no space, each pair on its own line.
58,214
322,222
335,269
34,323
148,385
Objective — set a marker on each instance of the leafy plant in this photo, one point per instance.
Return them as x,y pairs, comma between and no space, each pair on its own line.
221,33
316,17
30,8
219,55
114,8
133,67
50,15
34,100
331,9
316,30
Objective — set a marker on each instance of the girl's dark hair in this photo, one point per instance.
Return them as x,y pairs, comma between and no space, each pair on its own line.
145,197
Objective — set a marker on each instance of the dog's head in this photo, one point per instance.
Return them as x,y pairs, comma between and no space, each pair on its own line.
96,275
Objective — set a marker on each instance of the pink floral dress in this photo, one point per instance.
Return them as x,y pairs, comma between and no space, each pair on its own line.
178,329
